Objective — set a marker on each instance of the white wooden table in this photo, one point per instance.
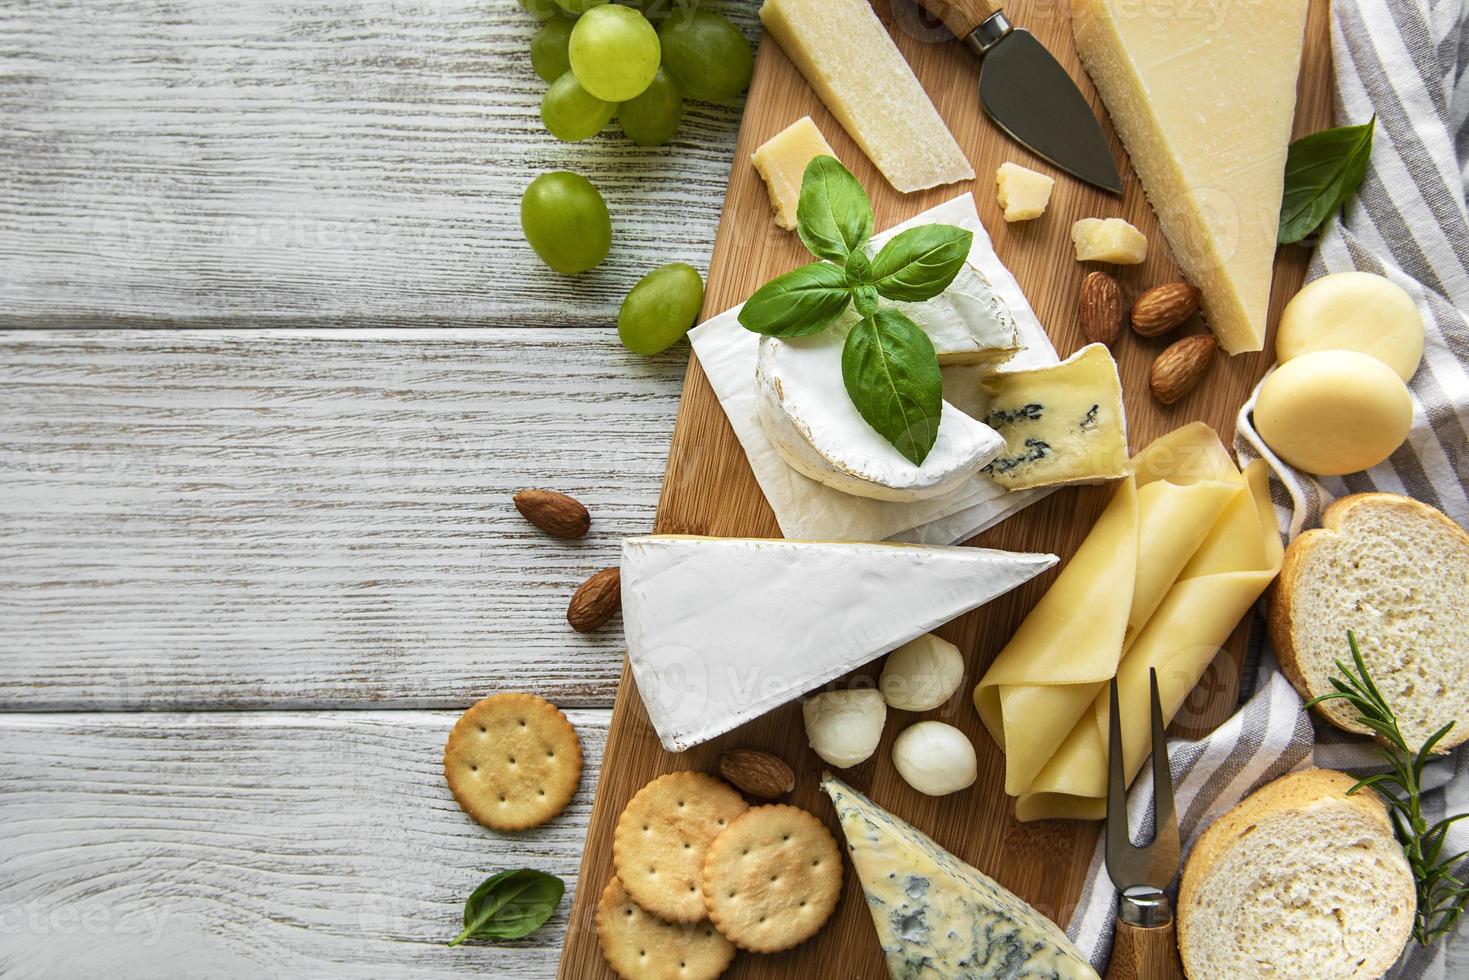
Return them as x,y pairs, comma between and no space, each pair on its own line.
273,359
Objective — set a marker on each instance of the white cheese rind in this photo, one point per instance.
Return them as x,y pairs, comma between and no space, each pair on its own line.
1203,96
969,322
938,918
1062,423
809,417
721,630
848,57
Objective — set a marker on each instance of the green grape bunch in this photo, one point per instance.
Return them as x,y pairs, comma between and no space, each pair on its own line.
634,60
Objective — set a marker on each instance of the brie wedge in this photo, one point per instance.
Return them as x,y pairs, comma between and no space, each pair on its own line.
1062,423
805,409
939,917
722,630
968,322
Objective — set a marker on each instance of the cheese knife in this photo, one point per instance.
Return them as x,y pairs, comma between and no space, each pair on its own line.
1145,944
1028,94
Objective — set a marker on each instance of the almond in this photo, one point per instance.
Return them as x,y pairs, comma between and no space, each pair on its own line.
1101,308
1180,367
552,512
595,601
760,774
1160,309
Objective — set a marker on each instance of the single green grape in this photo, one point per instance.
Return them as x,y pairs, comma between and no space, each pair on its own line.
614,52
706,54
571,113
541,9
566,222
576,8
660,308
548,49
652,118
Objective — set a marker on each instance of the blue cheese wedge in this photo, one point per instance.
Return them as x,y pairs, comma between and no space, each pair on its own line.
804,408
1062,423
937,918
721,630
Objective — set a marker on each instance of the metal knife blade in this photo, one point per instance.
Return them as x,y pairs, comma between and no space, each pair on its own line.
1031,97
1027,93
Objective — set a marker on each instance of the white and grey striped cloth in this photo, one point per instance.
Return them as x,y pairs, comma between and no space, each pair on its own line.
1407,61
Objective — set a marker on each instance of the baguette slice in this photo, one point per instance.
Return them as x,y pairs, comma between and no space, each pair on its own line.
1298,880
1396,573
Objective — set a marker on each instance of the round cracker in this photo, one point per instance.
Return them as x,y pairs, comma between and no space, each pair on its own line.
513,761
658,847
640,946
772,878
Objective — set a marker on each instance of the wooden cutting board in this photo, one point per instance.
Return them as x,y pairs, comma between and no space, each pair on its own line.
709,488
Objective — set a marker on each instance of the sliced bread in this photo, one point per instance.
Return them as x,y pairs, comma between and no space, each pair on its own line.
1298,880
1396,573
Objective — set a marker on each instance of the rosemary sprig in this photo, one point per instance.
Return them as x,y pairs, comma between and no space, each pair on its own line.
1441,895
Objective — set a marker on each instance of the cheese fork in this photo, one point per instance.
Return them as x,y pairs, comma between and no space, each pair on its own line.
1144,945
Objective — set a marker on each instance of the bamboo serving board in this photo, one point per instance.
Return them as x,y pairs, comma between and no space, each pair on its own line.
710,490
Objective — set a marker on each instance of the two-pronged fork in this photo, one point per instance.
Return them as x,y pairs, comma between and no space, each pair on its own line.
1145,946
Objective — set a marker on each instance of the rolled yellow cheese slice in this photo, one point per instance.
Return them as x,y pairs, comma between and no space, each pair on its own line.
1049,675
1226,575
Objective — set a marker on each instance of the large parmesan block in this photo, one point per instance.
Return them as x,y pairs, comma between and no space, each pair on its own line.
849,59
1203,96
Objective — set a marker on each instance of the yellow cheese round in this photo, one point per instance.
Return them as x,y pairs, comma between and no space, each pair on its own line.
1353,311
1331,412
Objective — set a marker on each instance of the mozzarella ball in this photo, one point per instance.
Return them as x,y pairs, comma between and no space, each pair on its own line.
844,727
921,674
1332,412
935,759
1353,311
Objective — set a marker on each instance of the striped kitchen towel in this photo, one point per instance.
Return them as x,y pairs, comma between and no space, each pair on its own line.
1407,61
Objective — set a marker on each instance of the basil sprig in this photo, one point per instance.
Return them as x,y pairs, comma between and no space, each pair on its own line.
510,905
889,366
1322,170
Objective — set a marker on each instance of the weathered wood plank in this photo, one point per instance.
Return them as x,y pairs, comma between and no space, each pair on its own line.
300,519
349,162
256,844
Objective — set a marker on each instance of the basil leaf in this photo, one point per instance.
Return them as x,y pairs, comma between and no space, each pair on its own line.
865,298
803,301
833,215
859,268
1322,171
510,905
892,376
921,262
